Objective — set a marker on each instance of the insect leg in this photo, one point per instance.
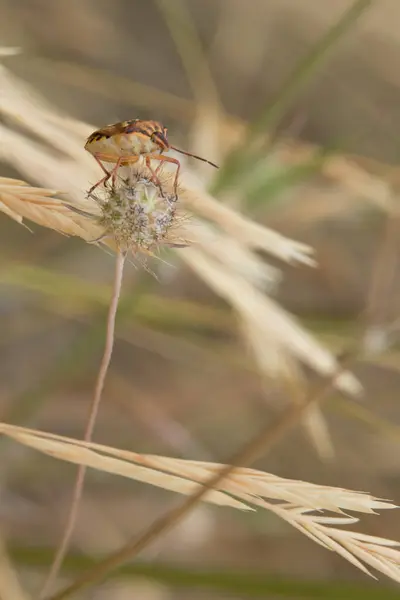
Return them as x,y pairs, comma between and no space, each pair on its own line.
114,172
122,162
169,159
105,178
154,173
97,159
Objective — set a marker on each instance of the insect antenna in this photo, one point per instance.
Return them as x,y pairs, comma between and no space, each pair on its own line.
194,156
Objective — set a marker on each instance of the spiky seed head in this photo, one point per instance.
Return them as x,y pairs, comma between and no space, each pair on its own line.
140,215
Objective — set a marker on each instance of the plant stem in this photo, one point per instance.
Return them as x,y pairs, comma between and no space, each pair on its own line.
91,421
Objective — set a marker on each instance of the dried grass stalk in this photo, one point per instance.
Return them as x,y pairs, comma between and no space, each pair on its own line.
20,201
303,505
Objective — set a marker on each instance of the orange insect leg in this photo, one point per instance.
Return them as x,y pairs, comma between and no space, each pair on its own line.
113,173
169,159
154,173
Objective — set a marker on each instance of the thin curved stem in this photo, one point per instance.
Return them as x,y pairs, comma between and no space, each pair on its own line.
91,421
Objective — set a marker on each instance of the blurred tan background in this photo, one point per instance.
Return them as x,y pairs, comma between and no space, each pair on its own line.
181,383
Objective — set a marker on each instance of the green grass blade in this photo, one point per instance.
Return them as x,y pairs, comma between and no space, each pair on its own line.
243,158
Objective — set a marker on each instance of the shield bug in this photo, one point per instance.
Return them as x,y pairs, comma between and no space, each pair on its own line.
125,142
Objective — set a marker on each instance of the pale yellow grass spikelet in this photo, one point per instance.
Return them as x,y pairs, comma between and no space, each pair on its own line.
9,51
20,201
303,505
263,320
247,232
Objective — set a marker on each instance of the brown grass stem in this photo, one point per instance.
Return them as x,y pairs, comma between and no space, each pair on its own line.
91,421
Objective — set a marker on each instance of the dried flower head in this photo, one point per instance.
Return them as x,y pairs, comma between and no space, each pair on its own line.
139,214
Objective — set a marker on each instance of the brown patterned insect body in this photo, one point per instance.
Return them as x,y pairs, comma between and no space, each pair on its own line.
125,142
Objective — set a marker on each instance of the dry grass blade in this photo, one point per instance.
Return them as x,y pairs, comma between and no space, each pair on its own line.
22,105
247,232
20,201
299,503
91,455
263,319
43,165
9,51
227,251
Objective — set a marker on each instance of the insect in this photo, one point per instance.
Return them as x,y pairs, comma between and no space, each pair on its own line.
125,142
